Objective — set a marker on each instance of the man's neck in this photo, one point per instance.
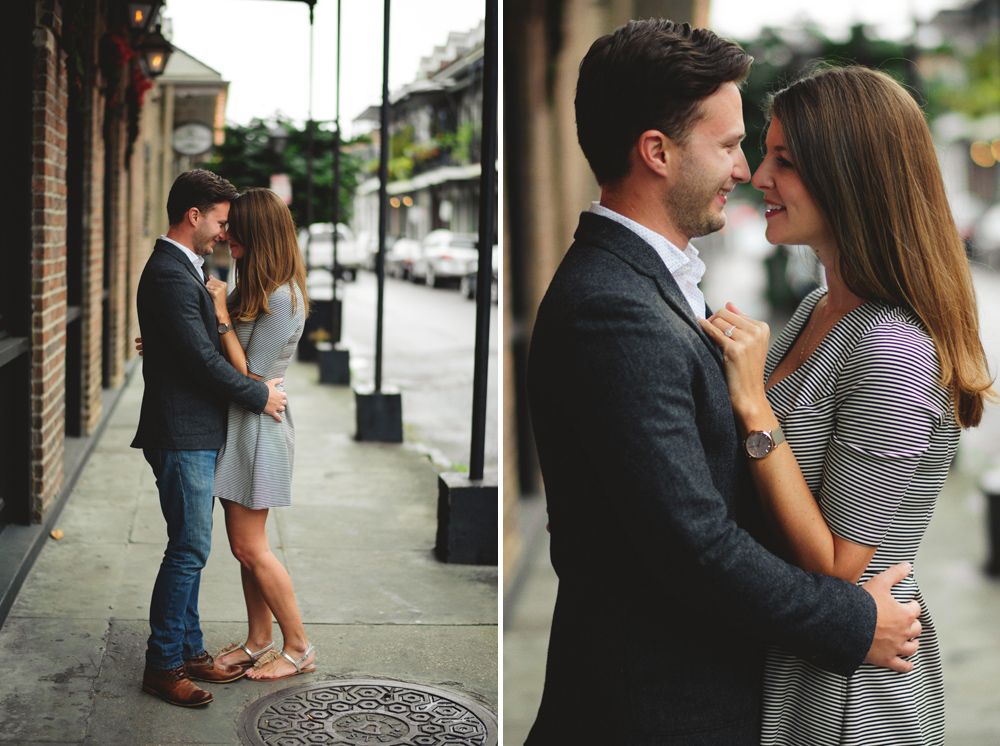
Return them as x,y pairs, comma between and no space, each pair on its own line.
635,204
182,238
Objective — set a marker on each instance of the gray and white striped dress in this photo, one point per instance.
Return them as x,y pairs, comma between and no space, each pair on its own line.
254,467
874,434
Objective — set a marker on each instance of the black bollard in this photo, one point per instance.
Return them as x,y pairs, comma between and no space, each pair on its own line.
990,485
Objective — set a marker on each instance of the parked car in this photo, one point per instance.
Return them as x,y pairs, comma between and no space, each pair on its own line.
468,284
350,257
444,257
399,258
368,248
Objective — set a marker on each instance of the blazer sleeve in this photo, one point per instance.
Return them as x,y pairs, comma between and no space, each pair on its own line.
636,376
176,308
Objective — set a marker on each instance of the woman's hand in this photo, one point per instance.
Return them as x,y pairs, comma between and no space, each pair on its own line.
217,289
744,349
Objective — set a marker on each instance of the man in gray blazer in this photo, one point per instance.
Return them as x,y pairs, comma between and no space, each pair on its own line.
182,424
665,599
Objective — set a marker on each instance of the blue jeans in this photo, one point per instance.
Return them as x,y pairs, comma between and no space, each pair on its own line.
185,480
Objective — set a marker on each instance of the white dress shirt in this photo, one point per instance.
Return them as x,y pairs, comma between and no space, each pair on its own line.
196,260
685,266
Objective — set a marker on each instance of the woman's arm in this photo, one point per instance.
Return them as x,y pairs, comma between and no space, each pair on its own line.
788,503
231,348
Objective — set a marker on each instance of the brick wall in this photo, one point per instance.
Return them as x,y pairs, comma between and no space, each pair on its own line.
48,275
117,193
93,262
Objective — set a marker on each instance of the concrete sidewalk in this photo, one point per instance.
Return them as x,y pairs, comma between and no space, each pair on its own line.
357,542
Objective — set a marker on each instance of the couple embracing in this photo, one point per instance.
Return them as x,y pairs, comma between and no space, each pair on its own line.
734,528
215,423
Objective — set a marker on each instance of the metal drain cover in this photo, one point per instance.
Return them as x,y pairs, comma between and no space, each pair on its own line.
366,711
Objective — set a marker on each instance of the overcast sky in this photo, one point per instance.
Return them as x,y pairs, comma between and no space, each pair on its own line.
262,48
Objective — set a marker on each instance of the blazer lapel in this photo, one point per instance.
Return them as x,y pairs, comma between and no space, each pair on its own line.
171,250
625,244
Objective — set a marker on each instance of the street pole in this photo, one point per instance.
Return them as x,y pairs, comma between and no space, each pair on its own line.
487,214
335,308
380,414
383,200
467,503
335,363
309,142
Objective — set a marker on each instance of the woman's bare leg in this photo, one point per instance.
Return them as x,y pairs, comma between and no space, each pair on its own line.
259,617
267,589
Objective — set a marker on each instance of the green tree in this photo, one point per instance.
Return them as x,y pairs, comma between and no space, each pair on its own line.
980,94
247,158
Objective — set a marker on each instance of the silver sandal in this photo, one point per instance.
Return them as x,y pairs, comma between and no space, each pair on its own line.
273,656
253,656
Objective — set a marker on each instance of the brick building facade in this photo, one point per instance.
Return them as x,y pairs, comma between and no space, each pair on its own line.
77,235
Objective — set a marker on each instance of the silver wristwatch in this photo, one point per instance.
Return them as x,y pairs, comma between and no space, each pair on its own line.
223,328
759,443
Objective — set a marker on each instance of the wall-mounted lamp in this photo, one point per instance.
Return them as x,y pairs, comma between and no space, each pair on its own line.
142,16
154,52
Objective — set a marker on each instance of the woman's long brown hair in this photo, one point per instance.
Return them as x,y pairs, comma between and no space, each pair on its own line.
261,222
864,151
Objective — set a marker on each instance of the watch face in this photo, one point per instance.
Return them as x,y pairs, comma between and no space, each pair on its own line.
758,444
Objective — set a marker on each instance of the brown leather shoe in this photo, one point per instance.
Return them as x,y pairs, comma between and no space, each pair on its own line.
174,686
204,668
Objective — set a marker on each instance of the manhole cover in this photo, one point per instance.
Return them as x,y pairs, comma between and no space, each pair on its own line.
366,711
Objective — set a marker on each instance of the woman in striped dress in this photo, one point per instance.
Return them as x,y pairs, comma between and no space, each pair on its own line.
253,471
869,383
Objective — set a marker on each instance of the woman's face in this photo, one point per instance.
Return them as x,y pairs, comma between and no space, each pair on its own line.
236,249
793,217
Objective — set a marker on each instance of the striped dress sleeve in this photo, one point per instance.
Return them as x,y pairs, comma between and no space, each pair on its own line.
888,410
272,331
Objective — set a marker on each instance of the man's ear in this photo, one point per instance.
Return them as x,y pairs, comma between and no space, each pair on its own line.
655,151
192,216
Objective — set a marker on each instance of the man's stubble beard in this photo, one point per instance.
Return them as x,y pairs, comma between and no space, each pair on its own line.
690,208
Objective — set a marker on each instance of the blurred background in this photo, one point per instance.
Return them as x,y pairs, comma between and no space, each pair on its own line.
947,53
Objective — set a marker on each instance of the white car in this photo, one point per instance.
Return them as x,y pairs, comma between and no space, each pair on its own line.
350,257
468,284
444,257
399,257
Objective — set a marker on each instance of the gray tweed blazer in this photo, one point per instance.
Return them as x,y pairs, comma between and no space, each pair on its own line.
665,599
188,383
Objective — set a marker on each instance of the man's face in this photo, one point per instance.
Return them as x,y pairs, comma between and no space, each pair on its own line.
708,165
211,227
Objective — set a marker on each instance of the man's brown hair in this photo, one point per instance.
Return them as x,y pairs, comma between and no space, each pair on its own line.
199,188
648,75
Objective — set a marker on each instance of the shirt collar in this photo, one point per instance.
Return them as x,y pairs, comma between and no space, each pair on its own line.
673,257
197,260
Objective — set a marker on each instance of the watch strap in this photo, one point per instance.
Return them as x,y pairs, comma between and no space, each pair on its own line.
777,437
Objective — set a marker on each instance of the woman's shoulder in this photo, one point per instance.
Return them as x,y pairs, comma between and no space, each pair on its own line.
281,300
890,323
892,338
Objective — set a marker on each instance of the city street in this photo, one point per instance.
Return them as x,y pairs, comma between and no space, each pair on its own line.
428,345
